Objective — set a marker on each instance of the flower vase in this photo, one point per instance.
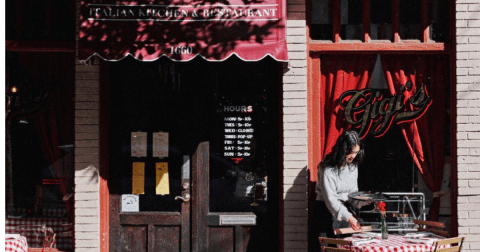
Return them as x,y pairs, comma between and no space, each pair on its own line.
384,229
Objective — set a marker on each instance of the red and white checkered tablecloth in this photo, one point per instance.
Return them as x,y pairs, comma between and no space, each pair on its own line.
394,243
33,230
18,244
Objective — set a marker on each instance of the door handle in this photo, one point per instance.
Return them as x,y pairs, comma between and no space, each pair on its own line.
184,199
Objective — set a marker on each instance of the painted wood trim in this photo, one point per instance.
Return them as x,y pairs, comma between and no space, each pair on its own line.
453,121
281,201
313,120
104,192
314,130
316,46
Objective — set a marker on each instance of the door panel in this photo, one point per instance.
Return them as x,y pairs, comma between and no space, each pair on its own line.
133,238
165,239
221,239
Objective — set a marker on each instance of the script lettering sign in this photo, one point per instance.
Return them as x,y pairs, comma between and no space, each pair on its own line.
373,112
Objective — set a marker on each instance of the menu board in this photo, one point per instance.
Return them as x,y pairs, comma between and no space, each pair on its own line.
139,144
238,132
160,144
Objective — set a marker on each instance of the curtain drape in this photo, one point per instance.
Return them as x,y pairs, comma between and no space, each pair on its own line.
425,136
55,121
340,73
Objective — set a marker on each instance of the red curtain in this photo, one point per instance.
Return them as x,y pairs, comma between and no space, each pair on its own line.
340,73
55,120
425,141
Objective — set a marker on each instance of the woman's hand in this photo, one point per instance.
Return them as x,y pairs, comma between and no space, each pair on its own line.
354,223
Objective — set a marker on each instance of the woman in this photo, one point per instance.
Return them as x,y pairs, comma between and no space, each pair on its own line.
336,178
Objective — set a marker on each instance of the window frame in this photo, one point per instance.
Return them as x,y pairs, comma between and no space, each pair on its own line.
425,44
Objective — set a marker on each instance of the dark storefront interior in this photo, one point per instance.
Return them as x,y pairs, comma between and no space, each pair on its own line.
190,101
39,146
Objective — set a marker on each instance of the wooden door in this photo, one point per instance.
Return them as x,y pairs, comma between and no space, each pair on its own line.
215,231
153,230
170,230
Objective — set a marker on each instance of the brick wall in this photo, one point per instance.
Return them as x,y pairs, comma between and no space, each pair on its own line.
468,121
295,176
87,163
87,105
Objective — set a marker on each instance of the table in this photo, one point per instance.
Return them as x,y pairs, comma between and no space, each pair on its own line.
33,230
394,243
18,244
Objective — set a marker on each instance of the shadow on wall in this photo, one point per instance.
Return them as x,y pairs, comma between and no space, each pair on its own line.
296,209
85,177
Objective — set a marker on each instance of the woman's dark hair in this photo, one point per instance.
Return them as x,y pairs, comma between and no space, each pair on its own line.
344,146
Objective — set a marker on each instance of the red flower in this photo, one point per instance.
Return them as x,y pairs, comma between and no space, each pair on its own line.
381,206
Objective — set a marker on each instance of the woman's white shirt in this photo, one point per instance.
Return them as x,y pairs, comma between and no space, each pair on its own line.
334,185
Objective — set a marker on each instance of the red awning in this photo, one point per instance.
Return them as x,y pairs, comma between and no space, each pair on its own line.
182,29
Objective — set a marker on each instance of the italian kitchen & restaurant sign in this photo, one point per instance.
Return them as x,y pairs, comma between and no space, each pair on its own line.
182,30
162,13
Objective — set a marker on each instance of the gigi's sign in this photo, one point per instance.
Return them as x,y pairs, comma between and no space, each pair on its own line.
374,112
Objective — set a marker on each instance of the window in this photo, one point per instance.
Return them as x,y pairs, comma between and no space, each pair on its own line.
39,99
39,146
351,20
379,20
321,24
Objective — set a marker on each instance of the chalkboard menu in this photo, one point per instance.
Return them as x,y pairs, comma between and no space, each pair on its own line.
238,132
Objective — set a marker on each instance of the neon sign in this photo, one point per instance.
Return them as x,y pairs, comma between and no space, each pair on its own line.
374,112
